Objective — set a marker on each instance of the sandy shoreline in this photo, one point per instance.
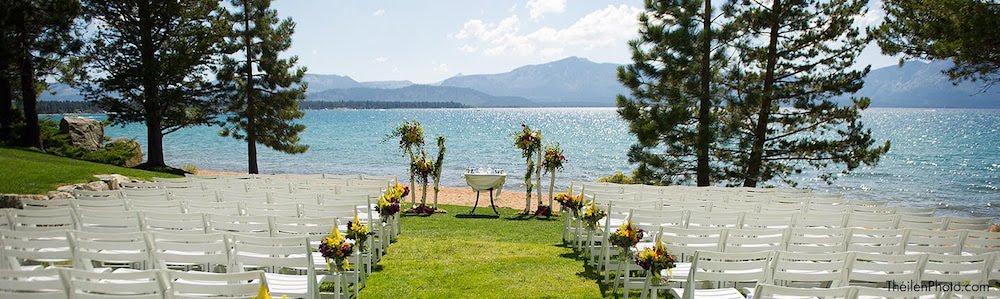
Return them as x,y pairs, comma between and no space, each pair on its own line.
511,197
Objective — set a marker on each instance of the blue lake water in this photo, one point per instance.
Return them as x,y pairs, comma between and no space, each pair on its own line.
945,158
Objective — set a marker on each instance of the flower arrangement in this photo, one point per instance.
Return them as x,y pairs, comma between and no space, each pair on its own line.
529,142
438,167
423,168
335,249
552,161
388,203
626,236
592,216
543,211
655,259
568,201
358,232
411,138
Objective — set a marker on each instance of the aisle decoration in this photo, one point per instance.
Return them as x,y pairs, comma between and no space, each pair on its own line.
411,139
388,203
626,237
335,249
423,168
438,167
656,259
529,142
569,201
552,161
358,232
592,216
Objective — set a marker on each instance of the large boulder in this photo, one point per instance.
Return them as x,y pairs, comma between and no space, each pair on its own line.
114,181
134,156
83,132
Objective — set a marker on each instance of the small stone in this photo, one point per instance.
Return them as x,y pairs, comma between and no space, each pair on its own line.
113,181
95,186
67,188
60,195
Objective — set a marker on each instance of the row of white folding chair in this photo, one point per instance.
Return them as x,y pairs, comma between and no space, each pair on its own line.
775,207
719,270
69,283
249,196
767,291
305,209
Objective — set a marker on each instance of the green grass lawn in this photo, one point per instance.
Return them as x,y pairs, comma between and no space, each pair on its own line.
29,172
442,256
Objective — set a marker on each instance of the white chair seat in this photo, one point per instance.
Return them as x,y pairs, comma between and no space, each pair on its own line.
727,293
678,273
279,284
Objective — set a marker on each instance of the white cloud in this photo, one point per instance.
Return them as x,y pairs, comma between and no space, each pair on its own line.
873,17
379,13
443,68
382,59
607,27
538,8
512,8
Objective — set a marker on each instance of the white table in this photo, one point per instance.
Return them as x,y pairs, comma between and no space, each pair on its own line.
486,182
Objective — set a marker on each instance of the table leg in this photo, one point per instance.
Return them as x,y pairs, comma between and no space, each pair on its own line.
493,205
477,203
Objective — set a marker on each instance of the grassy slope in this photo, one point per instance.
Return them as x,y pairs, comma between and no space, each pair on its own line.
28,172
447,257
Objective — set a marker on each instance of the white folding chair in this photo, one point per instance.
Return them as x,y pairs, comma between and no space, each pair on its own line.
60,219
138,185
867,203
882,241
40,284
272,209
214,208
873,210
165,207
914,211
933,241
819,220
32,250
714,219
958,269
246,225
277,256
193,195
735,207
957,223
175,223
214,285
187,252
107,205
132,284
693,206
753,240
145,194
101,252
101,221
767,220
97,195
249,197
921,222
873,221
684,242
721,269
810,270
876,270
817,240
773,207
308,198
36,204
978,242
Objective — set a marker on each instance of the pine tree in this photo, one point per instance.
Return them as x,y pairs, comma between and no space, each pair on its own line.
6,76
964,31
149,62
673,91
797,55
261,105
43,34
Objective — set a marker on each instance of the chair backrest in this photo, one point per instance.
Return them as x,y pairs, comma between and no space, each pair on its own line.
111,249
735,207
174,223
204,253
650,220
768,291
230,208
214,285
272,254
60,219
819,220
958,268
87,195
977,242
295,198
591,188
914,211
138,185
714,219
172,180
933,241
884,241
813,208
5,218
313,228
873,210
881,268
872,221
145,194
102,221
956,223
817,240
693,206
340,199
767,220
156,206
921,222
724,268
24,249
828,268
172,186
247,225
40,284
773,207
753,240
684,242
272,209
867,203
35,204
132,284
250,197
340,210
107,205
194,195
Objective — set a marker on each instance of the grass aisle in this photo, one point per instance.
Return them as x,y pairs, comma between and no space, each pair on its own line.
447,257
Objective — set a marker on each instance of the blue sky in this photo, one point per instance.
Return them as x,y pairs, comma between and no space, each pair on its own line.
428,41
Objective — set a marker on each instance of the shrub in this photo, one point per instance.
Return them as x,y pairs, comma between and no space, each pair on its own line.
118,153
617,178
190,168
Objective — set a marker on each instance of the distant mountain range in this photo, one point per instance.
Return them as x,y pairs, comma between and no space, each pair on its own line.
577,81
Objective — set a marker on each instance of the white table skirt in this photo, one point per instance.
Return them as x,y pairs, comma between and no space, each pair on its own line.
484,182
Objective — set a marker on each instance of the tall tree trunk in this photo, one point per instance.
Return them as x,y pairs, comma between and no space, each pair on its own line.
6,104
151,90
29,97
705,134
413,179
763,117
538,176
251,131
552,187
